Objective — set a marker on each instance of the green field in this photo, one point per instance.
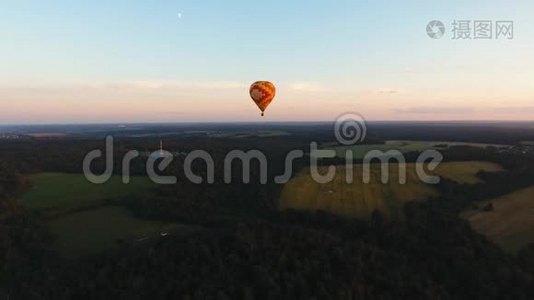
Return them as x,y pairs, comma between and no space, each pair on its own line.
59,191
403,146
358,199
511,222
91,231
80,214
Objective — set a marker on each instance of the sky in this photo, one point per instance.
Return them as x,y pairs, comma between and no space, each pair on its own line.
193,61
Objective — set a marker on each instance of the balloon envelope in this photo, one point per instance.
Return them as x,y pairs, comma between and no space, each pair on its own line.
262,92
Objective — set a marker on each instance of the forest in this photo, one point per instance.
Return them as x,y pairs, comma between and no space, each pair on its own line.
244,248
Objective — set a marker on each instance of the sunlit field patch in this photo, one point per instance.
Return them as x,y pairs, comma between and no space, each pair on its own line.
510,221
358,199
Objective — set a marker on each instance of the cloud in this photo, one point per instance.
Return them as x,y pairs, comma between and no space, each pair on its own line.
171,113
436,110
514,109
388,91
307,87
168,84
434,68
462,110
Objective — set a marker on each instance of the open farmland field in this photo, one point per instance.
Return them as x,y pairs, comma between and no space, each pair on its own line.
511,222
81,219
61,192
358,199
402,146
466,172
91,231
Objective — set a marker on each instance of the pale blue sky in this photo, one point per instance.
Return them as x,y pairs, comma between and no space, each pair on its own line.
326,57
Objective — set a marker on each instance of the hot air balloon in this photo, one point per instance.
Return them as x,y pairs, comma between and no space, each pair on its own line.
262,92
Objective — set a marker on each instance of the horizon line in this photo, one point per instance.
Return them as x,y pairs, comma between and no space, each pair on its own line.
259,122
